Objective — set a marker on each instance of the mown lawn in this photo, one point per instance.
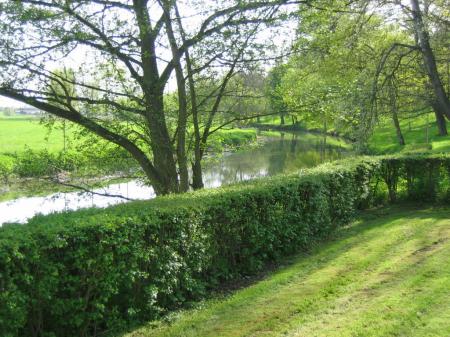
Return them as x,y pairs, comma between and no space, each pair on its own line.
388,274
384,139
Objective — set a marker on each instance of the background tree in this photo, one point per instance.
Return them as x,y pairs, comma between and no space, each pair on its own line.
274,91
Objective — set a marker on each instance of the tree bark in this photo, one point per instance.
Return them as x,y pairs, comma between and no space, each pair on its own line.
429,60
401,139
394,110
163,152
282,118
182,101
197,178
440,120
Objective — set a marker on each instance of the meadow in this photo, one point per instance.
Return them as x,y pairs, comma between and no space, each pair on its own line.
20,132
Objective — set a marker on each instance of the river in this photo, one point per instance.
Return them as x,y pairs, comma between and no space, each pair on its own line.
278,152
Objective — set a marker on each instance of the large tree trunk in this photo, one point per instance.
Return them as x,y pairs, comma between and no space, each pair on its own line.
197,178
429,60
440,120
162,149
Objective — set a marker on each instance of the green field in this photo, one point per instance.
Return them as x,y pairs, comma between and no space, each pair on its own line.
19,132
384,139
385,275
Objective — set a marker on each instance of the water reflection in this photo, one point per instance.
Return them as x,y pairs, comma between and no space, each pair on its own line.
282,153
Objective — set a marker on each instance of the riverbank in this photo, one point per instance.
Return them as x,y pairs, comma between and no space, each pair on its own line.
420,134
270,154
300,128
385,274
31,157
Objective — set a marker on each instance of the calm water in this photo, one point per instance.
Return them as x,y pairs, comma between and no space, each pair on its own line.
281,153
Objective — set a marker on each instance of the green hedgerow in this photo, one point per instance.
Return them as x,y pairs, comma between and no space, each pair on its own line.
86,272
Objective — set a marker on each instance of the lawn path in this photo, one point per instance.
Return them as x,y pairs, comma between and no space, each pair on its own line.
387,275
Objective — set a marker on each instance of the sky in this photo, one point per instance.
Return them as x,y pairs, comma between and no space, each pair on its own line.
6,102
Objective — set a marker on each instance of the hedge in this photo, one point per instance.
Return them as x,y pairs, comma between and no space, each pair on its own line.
88,272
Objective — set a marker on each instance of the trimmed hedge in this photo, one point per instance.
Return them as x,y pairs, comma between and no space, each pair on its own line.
86,272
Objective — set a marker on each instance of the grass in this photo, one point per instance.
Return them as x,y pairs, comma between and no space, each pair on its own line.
19,132
384,139
386,275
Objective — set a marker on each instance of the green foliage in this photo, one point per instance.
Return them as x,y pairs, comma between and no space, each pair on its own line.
31,163
85,272
231,138
416,177
275,92
6,168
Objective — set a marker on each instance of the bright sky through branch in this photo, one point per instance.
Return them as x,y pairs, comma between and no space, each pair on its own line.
282,37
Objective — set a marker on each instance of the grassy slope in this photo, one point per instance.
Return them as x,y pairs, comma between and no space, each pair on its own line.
386,275
384,139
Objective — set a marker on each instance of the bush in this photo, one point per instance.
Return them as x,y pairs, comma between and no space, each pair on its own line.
230,138
417,177
31,163
6,168
86,272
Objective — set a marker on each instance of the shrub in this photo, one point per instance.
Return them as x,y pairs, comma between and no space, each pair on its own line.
86,272
6,168
416,177
230,138
30,163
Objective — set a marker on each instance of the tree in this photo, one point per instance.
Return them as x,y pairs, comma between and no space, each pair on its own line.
352,66
328,80
140,43
275,91
421,21
442,103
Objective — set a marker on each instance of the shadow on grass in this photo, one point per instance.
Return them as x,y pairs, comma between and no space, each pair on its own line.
325,254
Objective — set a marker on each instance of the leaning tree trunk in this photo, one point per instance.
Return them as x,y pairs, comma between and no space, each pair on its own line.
429,60
401,139
440,120
394,109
